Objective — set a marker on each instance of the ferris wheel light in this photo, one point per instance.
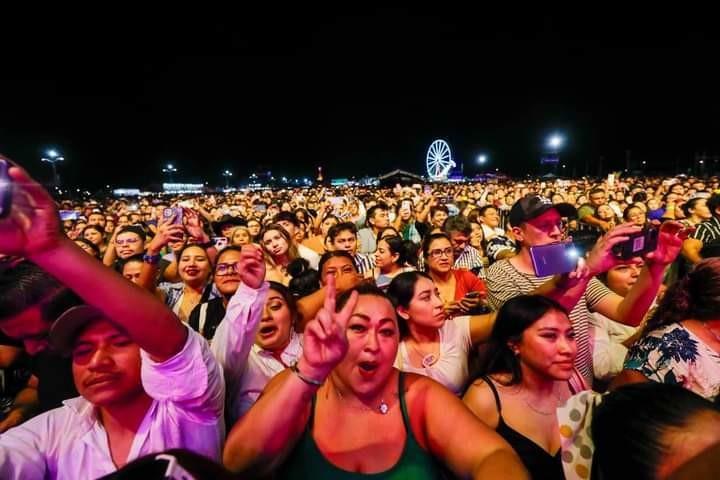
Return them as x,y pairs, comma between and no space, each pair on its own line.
439,160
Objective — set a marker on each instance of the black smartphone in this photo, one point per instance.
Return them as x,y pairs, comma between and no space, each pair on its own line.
473,294
638,244
554,258
5,189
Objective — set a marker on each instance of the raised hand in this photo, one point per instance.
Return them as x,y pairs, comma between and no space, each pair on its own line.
601,257
167,232
194,226
33,224
251,266
670,240
325,339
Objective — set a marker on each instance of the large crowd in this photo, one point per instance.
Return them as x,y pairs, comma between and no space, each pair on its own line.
402,332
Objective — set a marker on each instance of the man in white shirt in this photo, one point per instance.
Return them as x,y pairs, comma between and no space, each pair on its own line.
290,223
148,383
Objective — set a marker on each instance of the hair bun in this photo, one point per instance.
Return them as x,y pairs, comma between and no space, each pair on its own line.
297,267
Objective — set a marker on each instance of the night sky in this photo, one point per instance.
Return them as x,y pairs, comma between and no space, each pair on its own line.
358,91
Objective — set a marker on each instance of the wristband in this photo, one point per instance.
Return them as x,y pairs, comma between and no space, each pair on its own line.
151,259
310,381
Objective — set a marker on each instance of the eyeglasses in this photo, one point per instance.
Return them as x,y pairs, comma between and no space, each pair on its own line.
129,241
448,252
224,269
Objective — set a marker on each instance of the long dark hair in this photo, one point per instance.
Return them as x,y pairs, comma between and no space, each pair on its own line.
695,296
305,280
401,292
631,422
406,250
514,317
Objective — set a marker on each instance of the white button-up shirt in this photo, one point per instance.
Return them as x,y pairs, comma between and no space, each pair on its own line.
248,368
69,442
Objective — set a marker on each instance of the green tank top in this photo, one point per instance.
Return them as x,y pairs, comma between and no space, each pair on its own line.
307,462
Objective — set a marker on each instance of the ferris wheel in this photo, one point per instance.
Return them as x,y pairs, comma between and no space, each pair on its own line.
439,160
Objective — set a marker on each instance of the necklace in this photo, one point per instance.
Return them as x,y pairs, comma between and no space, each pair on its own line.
711,332
382,407
428,359
537,410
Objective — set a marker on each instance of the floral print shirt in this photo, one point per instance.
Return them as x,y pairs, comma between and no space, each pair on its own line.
674,355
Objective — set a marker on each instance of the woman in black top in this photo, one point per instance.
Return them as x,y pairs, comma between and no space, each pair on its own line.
526,373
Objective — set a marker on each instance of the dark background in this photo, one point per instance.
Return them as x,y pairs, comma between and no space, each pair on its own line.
363,91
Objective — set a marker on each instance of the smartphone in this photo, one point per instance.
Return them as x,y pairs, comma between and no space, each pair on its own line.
554,258
407,204
427,189
260,207
171,212
133,207
473,294
5,189
638,244
220,242
68,215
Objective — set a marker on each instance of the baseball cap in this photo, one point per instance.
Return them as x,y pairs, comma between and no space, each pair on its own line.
532,206
64,330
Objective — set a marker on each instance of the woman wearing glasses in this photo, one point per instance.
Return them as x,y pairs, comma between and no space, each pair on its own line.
460,290
206,316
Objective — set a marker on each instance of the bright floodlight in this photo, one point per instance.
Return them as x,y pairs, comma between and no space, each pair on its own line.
482,159
52,153
555,141
170,165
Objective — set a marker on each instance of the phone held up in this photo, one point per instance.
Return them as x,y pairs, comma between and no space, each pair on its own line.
554,258
175,212
5,189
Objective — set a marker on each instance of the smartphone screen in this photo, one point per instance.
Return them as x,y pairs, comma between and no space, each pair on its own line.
68,215
554,258
5,189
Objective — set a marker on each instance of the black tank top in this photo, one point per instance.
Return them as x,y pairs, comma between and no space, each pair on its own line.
540,464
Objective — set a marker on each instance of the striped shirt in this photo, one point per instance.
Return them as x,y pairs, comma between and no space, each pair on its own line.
365,264
708,231
504,282
470,259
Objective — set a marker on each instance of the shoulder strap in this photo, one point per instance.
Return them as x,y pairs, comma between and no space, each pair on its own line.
202,318
206,293
494,391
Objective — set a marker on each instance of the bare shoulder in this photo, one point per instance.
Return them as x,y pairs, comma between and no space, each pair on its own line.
480,399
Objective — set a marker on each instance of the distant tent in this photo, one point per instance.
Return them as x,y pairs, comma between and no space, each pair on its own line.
401,177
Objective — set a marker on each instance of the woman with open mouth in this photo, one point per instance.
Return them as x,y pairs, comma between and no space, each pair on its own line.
431,342
256,339
344,412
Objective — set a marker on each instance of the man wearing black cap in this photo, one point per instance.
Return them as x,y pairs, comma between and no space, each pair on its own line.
536,221
147,382
224,226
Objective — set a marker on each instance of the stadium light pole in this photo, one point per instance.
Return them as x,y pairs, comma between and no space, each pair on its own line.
53,158
227,174
169,169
